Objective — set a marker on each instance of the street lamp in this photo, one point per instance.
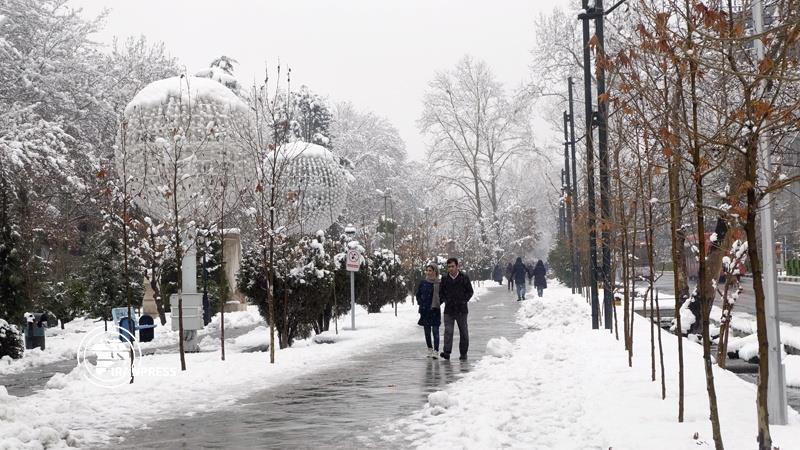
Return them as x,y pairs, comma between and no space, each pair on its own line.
350,231
387,194
201,240
426,210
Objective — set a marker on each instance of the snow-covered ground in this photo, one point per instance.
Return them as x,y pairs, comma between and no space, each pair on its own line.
565,386
71,411
63,344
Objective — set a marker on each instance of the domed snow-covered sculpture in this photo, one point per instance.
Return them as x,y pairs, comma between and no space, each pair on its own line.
313,186
181,125
176,151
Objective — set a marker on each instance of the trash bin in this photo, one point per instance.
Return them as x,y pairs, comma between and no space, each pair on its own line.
36,323
126,324
146,328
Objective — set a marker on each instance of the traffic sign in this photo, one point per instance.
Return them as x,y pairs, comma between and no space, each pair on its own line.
353,260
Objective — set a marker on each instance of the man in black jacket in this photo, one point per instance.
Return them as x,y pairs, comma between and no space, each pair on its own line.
455,291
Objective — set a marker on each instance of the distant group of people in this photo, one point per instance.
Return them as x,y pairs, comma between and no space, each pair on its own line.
517,273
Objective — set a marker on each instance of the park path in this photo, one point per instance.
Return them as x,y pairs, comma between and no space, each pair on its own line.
347,407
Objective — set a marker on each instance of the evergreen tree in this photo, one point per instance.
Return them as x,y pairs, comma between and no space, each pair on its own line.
311,117
10,341
12,298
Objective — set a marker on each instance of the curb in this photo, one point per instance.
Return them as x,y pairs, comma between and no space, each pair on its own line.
789,279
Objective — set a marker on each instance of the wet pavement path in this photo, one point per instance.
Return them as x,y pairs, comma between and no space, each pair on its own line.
340,408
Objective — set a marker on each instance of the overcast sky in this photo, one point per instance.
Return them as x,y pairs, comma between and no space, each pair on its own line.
378,54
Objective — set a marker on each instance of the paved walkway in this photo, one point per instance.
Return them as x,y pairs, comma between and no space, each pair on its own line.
346,407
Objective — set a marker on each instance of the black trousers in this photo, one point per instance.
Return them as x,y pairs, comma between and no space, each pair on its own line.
463,332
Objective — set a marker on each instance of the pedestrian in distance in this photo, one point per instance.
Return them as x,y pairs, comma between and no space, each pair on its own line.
455,292
519,275
529,269
509,276
497,274
430,316
540,277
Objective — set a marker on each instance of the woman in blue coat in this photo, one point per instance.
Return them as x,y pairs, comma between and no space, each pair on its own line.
430,317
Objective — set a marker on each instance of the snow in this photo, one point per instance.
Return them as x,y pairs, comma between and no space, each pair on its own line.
568,386
791,366
186,90
299,148
499,347
71,411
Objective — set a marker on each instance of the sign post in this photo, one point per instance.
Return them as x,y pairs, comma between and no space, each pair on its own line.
353,264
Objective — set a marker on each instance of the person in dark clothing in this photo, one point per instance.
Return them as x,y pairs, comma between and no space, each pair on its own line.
430,316
455,292
509,276
529,269
540,277
497,274
519,275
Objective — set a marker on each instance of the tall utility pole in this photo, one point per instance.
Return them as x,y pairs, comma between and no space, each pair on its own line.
562,208
568,202
602,135
776,388
587,88
577,265
597,13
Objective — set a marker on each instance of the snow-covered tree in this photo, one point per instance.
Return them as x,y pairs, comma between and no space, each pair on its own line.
475,132
311,117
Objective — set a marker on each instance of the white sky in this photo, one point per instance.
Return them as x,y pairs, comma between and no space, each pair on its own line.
378,54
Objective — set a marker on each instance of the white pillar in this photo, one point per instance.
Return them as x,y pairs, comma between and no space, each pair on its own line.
776,389
189,270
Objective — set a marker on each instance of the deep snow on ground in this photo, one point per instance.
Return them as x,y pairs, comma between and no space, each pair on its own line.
63,344
566,386
73,411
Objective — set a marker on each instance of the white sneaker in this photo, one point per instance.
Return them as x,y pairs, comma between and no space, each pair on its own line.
434,354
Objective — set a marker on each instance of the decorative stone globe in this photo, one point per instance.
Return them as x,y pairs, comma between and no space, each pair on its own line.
313,187
176,140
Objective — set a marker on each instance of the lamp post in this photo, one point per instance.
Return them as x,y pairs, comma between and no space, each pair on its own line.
387,194
201,240
350,232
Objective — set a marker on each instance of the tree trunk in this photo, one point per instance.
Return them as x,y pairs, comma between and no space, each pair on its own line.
678,273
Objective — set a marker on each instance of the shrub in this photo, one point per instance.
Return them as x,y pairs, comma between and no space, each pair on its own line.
10,341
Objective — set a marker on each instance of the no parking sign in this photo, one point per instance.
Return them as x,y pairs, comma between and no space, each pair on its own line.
353,260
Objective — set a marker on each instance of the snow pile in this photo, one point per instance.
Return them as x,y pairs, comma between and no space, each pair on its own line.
20,430
439,401
258,337
567,386
736,344
499,347
746,323
59,345
236,319
62,380
791,366
542,313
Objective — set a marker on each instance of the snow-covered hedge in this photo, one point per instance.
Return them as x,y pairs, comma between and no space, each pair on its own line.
10,341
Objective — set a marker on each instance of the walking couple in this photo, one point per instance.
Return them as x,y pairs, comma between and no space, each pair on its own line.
454,289
519,272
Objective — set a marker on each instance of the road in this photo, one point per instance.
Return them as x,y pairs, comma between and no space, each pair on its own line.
788,298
